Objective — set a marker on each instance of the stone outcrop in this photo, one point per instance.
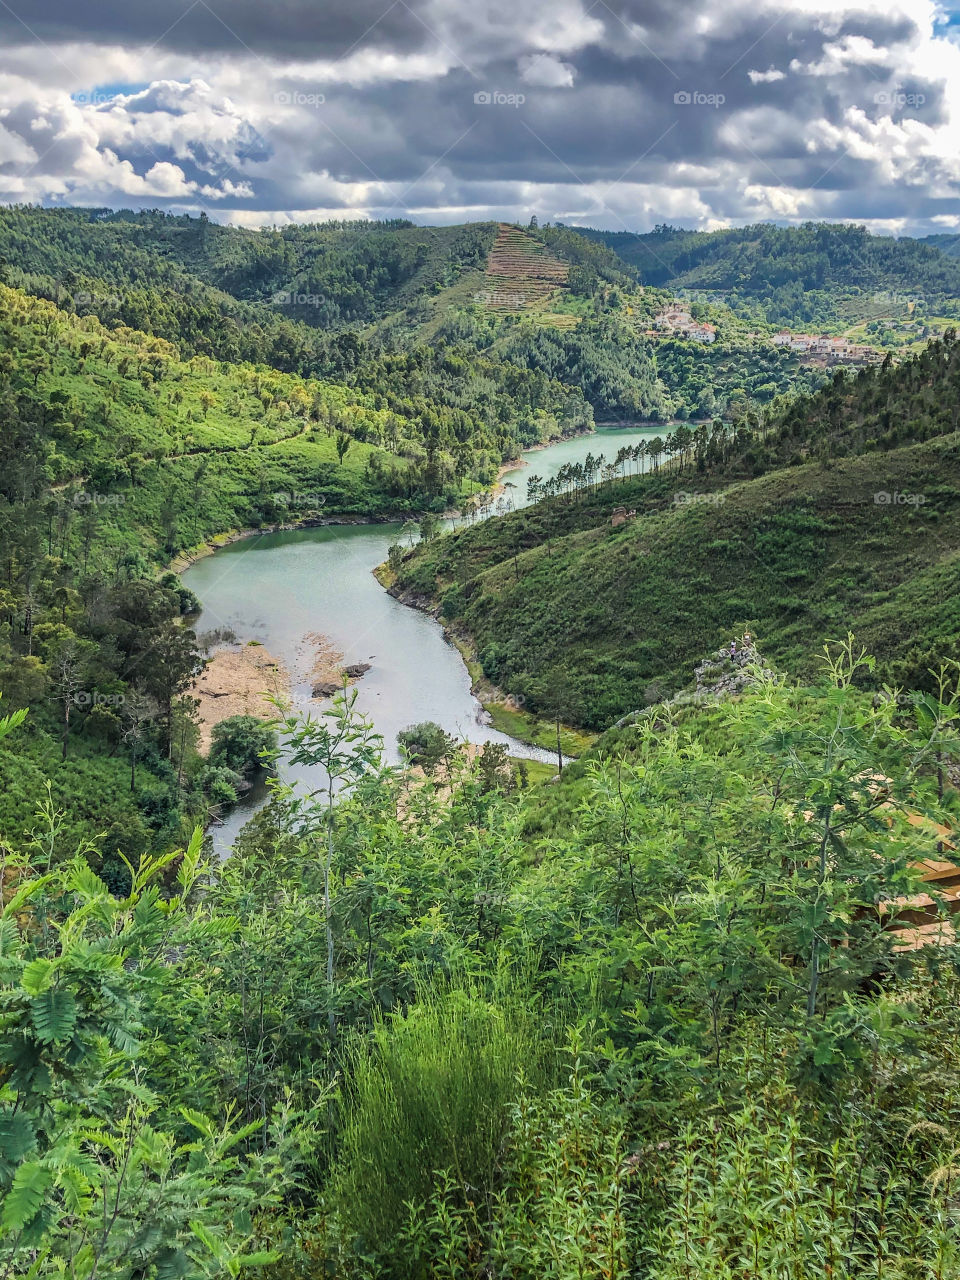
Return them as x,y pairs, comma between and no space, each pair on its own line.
327,688
723,674
727,673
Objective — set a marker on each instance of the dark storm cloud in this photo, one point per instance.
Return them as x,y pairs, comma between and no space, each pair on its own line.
271,28
727,114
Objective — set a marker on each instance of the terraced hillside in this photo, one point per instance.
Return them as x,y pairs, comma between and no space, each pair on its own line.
524,276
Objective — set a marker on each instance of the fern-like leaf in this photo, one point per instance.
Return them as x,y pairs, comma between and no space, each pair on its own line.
54,1015
23,1201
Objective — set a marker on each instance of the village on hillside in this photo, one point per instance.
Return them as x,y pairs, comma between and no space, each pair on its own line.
813,348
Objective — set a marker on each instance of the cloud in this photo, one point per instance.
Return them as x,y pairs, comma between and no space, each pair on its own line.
546,71
622,115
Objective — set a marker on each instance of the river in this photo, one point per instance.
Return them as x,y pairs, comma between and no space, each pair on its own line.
277,588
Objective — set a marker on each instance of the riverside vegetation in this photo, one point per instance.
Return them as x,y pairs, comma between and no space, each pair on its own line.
646,1019
645,1022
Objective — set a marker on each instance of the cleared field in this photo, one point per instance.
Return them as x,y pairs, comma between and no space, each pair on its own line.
523,276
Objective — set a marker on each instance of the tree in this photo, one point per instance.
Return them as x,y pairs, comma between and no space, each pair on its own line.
139,710
429,527
342,744
426,744
68,665
343,444
242,743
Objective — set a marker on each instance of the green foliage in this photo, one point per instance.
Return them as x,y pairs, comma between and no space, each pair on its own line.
427,1092
693,910
101,1171
427,745
242,744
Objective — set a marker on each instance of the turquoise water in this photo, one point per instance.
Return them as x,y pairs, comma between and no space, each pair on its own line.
277,588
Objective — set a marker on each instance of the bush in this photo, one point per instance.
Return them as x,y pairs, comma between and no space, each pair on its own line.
221,784
239,742
429,1092
426,744
453,603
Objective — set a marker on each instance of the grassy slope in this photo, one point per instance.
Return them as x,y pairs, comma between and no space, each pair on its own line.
213,442
616,617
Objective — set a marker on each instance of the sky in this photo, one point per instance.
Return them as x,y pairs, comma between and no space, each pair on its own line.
619,114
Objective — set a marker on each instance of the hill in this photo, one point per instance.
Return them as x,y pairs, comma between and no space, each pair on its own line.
366,304
574,614
820,274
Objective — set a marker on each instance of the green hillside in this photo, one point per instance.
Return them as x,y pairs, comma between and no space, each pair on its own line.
367,303
819,274
117,456
575,615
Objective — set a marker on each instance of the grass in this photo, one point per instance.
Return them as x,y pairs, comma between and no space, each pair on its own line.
538,771
617,617
525,727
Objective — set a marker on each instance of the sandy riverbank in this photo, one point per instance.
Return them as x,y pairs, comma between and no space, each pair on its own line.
237,681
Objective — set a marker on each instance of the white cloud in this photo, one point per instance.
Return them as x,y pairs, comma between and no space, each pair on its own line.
546,71
866,125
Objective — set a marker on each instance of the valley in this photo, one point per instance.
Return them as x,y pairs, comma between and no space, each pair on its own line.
480,749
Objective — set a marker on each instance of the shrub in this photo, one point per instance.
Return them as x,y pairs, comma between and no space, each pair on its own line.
428,1092
238,743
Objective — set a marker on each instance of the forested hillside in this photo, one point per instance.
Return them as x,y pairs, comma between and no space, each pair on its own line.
807,524
366,303
817,274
